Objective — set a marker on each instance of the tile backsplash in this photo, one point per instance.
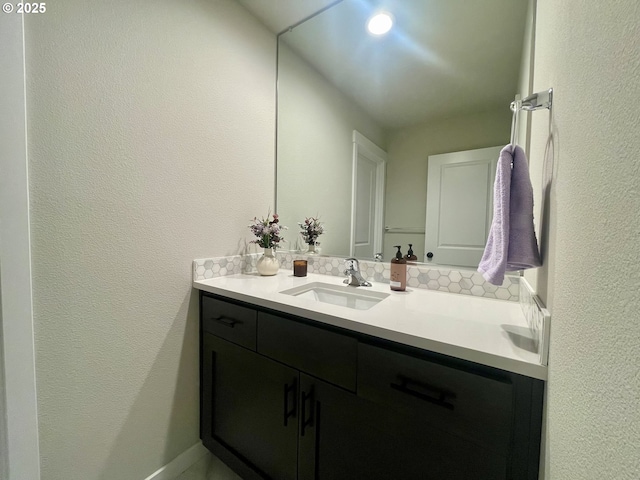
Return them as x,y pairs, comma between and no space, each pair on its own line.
460,281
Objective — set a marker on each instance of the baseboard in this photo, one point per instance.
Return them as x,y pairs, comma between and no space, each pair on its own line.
179,464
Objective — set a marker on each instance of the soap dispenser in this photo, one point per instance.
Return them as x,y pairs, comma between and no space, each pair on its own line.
398,281
410,256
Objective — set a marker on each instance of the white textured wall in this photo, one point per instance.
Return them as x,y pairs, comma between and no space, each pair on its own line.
151,142
589,52
315,151
409,150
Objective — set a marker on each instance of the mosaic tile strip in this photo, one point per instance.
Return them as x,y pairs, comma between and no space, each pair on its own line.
204,268
538,318
465,282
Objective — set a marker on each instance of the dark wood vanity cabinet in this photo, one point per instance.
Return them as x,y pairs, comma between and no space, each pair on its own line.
250,407
286,398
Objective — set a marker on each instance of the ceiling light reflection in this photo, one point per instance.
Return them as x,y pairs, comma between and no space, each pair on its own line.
380,23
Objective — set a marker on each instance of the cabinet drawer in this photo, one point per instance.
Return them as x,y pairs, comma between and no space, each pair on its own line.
321,353
469,405
229,321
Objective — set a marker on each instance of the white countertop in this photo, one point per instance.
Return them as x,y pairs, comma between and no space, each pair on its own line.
482,330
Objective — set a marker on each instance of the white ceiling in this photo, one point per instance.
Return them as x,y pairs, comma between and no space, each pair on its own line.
443,58
278,15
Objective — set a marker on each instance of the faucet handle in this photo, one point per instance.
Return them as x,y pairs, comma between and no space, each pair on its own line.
352,264
352,272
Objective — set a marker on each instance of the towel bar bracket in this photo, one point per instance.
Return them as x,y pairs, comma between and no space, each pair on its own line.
533,102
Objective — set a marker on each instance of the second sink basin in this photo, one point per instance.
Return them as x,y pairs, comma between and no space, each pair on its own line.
342,295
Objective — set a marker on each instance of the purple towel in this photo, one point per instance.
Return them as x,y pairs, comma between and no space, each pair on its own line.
512,243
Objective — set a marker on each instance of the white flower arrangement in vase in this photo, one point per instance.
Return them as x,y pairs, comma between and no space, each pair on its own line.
310,230
268,236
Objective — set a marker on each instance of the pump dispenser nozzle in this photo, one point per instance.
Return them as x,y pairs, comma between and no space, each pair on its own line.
410,257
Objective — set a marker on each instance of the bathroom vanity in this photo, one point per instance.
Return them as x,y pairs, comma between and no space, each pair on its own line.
294,388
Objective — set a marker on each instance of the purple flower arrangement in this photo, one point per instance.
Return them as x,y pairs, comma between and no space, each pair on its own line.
310,230
267,231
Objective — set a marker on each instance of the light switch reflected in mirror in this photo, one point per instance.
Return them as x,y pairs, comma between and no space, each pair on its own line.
440,81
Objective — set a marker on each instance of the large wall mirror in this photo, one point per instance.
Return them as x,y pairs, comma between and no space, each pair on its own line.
361,117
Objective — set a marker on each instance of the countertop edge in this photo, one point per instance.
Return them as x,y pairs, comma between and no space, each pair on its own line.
496,361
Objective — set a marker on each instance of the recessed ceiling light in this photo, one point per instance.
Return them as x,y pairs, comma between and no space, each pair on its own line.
380,23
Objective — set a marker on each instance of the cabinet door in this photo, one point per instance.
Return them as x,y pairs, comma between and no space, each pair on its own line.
249,406
343,436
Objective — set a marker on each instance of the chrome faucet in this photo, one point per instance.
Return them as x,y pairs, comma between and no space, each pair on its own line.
354,277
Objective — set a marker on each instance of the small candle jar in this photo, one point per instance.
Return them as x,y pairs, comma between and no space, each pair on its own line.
299,268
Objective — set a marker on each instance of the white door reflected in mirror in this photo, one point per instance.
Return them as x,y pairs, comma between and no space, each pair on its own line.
459,206
369,165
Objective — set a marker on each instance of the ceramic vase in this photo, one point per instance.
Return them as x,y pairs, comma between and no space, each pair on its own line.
268,263
312,249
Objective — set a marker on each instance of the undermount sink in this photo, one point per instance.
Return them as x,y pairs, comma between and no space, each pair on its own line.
342,295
